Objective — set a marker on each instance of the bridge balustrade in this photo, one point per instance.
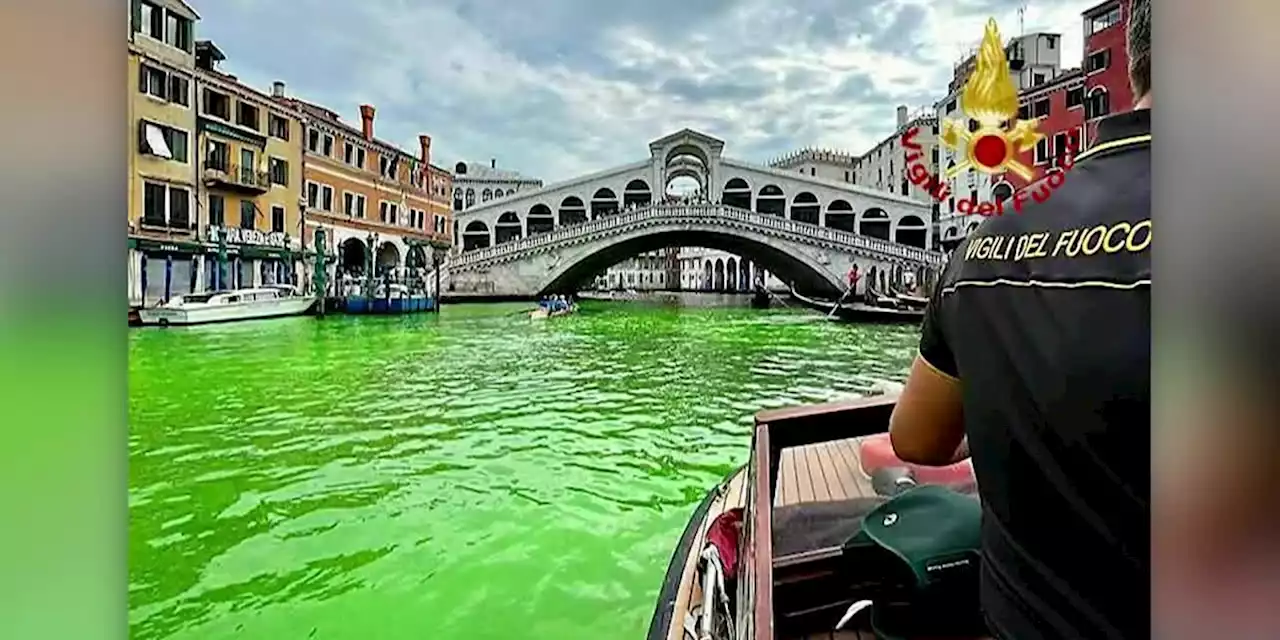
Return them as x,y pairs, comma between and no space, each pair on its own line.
685,211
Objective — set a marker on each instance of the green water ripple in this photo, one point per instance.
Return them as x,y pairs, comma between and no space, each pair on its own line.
471,475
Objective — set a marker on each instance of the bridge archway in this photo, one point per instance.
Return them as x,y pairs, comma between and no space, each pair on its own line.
507,228
486,195
875,223
540,219
471,197
353,255
475,236
603,203
719,277
682,182
911,231
744,274
771,200
687,150
805,208
840,215
737,193
731,274
572,211
637,193
800,269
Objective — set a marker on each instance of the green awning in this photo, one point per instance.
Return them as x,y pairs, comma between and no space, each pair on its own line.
164,246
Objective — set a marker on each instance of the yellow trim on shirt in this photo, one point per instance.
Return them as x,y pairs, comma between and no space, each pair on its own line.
1121,142
936,370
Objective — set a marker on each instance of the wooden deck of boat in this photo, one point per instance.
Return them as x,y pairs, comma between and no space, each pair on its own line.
690,591
821,472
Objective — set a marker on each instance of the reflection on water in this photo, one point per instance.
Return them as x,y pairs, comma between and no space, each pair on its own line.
470,475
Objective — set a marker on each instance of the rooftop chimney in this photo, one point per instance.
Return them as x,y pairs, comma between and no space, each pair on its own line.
493,163
277,89
902,116
424,142
366,120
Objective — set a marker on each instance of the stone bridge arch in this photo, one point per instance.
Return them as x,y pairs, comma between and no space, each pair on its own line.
579,264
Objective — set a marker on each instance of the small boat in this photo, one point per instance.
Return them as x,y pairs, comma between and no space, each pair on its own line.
227,306
795,545
547,312
887,311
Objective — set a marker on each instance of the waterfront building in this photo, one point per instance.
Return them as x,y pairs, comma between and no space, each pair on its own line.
1034,60
249,159
163,238
822,163
648,271
383,209
475,183
703,269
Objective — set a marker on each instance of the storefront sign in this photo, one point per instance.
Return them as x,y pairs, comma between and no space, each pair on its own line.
236,235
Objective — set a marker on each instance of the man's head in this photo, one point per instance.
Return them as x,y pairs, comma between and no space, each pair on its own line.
1139,38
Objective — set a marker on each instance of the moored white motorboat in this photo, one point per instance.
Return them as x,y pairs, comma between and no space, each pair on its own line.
227,306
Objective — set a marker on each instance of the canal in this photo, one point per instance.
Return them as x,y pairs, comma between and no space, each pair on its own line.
469,475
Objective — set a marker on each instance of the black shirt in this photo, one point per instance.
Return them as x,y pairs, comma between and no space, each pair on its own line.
1045,318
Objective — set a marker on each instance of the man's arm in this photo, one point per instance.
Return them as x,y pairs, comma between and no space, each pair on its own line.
927,426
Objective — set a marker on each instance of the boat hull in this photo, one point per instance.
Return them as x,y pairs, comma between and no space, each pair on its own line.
235,312
861,313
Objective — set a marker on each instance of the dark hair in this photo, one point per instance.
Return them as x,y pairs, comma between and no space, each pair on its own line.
1140,47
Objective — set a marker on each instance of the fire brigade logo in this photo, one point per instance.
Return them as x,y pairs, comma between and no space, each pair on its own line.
990,98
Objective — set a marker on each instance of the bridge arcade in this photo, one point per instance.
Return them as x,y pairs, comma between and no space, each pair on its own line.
691,154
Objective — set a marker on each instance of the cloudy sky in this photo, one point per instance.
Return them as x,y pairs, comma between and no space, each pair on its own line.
556,88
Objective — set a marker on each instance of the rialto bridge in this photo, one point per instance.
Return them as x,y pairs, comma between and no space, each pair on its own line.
805,229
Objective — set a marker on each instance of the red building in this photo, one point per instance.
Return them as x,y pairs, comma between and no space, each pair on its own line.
1070,105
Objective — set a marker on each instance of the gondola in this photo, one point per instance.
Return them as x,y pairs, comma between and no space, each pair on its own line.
891,311
798,544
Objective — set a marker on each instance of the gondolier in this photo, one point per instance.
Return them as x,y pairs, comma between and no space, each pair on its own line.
1039,362
854,276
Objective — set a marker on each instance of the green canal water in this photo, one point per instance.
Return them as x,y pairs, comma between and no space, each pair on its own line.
469,475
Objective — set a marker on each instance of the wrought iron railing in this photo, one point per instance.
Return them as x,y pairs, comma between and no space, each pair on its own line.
237,174
695,213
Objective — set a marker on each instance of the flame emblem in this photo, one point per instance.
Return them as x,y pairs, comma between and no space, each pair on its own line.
990,98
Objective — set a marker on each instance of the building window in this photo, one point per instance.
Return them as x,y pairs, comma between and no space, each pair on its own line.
973,125
1024,112
388,212
387,167
1104,20
1098,61
163,141
217,104
321,143
217,209
326,197
486,195
1075,97
471,196
1040,108
177,31
153,82
218,156
951,106
1042,151
248,213
277,219
905,189
1060,148
353,155
277,127
151,21
1098,104
313,195
166,205
1037,79
353,204
247,115
279,171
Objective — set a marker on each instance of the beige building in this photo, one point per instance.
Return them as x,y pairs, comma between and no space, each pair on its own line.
251,177
162,231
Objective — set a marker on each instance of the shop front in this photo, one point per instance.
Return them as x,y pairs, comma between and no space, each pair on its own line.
244,258
161,269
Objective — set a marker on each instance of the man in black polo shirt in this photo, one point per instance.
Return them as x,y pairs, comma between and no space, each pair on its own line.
1035,357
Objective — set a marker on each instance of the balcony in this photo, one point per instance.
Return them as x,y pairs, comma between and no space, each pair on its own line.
236,178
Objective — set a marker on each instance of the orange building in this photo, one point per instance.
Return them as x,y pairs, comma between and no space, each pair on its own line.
382,209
